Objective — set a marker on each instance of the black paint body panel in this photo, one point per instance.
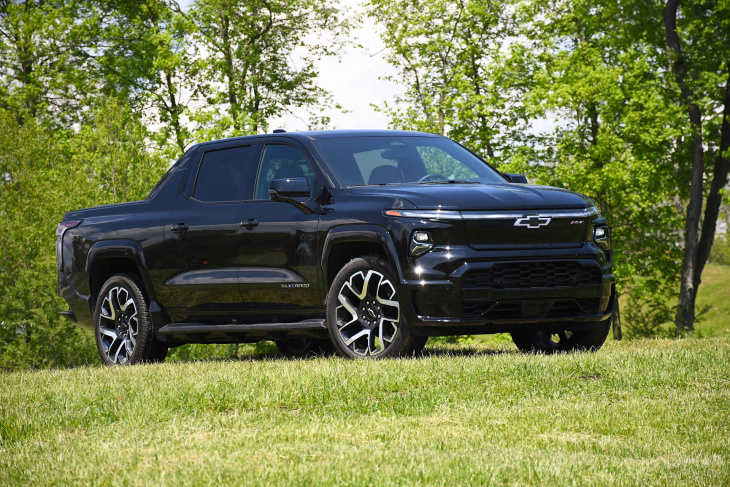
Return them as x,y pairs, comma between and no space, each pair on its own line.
220,272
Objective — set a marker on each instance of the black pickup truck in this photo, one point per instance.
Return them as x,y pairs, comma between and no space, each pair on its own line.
367,242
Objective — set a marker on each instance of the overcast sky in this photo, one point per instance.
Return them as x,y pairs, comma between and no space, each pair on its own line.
352,79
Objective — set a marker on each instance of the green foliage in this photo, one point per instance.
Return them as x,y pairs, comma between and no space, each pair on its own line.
33,199
42,178
458,80
721,250
249,74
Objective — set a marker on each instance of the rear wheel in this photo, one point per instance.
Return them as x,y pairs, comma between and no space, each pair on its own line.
304,347
122,324
364,313
563,340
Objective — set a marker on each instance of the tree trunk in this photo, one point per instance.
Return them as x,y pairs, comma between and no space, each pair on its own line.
684,319
174,112
719,180
230,73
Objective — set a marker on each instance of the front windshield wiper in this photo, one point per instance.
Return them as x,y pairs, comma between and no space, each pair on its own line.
451,181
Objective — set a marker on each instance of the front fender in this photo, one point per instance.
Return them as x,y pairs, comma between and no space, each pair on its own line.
361,233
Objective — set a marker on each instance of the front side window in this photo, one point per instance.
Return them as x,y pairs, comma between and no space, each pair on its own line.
226,175
279,162
367,160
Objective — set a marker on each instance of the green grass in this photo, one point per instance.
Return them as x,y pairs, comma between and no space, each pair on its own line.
647,412
714,295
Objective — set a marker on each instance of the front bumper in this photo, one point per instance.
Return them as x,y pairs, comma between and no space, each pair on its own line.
456,292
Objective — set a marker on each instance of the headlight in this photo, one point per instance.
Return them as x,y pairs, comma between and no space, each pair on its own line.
602,236
421,242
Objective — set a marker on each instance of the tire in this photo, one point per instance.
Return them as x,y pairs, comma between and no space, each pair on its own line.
122,324
419,343
363,315
304,347
563,341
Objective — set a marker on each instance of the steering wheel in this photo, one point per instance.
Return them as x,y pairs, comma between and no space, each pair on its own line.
432,177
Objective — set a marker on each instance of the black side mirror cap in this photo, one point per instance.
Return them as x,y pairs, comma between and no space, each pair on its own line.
289,188
515,178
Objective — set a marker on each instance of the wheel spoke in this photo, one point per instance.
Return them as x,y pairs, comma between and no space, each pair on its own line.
107,332
347,305
119,349
124,306
357,335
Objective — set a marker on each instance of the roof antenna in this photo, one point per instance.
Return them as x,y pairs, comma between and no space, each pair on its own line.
279,131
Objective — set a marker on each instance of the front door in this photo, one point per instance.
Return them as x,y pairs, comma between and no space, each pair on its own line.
278,250
207,224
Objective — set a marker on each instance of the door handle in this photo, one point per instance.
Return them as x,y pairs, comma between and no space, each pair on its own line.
250,223
179,227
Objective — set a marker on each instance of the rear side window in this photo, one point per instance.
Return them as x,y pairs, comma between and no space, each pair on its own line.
227,175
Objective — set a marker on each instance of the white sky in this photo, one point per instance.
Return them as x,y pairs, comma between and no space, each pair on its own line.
353,80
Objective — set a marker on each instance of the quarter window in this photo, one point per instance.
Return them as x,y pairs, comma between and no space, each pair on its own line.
226,175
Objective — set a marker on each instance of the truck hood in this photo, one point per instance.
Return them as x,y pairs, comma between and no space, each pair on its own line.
497,196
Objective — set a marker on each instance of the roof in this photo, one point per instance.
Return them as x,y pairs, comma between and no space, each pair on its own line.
329,134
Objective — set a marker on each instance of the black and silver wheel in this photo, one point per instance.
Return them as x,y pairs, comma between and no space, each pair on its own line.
304,347
122,324
364,314
567,340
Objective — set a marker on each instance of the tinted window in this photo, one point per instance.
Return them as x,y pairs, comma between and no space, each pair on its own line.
369,160
167,175
226,175
279,162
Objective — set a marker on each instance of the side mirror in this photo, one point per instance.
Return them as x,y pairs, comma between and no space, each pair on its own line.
287,188
516,178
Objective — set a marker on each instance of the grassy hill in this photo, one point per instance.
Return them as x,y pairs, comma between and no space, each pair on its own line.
714,298
647,412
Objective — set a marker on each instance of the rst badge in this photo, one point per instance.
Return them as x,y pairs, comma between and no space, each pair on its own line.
533,221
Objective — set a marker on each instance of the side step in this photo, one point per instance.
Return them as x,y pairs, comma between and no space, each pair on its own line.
188,328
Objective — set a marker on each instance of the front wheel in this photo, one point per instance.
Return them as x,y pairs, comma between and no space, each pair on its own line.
567,340
364,313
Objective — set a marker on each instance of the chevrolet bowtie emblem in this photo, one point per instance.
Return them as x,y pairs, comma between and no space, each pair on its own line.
533,221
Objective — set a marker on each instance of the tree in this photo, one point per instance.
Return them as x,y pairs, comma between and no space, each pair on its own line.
451,58
250,47
32,200
42,178
698,42
45,65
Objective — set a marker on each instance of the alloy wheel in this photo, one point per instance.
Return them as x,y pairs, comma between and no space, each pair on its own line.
368,313
119,325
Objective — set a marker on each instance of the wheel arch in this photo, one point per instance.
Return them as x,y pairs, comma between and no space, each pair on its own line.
345,243
110,257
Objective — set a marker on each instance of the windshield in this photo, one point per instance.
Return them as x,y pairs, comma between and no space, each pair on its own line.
362,161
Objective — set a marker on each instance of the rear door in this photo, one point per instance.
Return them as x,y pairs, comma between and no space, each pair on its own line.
207,223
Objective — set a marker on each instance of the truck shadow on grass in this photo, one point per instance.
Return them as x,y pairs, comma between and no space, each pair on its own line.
264,352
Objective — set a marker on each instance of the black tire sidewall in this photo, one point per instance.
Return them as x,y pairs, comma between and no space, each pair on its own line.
402,343
591,339
144,337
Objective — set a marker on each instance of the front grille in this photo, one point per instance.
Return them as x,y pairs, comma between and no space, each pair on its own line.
561,308
516,275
